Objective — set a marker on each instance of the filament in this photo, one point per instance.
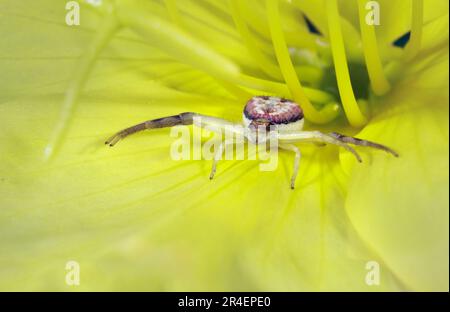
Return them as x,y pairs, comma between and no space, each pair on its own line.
103,36
413,46
288,70
171,6
380,84
263,61
351,108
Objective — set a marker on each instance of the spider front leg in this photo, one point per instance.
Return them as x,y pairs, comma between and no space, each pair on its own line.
360,142
295,149
213,123
170,121
315,137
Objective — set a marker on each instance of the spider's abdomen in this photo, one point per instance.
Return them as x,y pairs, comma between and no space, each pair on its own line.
285,114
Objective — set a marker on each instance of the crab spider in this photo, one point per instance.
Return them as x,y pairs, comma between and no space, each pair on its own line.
260,113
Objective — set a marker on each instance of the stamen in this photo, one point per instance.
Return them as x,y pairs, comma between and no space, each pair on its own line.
217,37
281,89
379,83
171,6
309,74
204,17
288,71
351,108
263,61
103,36
176,42
239,93
299,38
413,46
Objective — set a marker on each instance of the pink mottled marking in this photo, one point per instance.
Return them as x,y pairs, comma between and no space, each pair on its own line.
273,109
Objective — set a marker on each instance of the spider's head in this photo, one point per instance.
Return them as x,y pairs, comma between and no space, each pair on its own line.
259,129
259,124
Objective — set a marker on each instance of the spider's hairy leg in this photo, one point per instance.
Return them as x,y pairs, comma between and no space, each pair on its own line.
217,157
295,149
315,136
169,121
356,141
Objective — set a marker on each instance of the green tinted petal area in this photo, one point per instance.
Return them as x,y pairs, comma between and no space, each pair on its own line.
400,206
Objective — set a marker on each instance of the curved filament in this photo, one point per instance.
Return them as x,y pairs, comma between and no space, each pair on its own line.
351,108
103,36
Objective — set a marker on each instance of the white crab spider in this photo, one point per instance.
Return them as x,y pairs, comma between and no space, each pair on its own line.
260,112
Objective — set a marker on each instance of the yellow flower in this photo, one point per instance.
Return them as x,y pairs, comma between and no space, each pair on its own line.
134,219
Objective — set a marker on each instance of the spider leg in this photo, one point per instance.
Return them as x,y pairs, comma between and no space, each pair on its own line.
315,136
217,157
238,131
170,121
356,141
295,149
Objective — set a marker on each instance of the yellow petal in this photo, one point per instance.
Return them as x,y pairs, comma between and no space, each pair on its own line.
400,206
132,217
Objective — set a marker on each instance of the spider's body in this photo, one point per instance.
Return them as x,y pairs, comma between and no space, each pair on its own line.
283,116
